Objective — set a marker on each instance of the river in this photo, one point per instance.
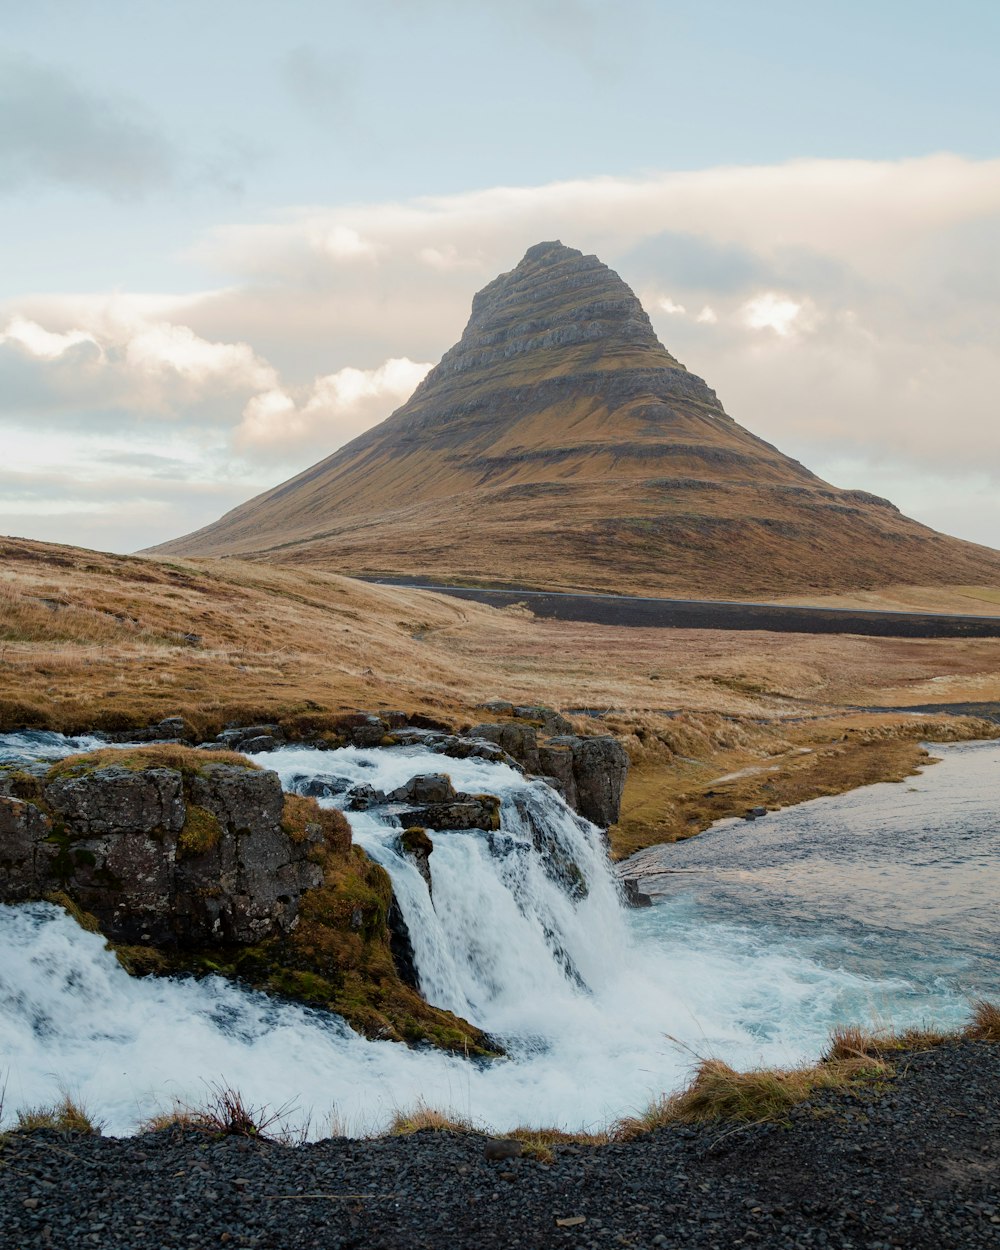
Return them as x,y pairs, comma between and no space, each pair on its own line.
878,908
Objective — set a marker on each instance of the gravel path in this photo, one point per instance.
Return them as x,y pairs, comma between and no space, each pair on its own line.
916,1165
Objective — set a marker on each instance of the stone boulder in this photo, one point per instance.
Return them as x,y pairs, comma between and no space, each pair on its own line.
174,857
252,739
515,738
432,800
425,788
600,766
418,847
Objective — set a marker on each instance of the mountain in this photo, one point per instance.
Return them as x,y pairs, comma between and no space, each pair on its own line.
559,444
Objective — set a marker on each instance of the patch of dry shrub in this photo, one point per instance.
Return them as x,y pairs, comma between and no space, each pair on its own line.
65,1116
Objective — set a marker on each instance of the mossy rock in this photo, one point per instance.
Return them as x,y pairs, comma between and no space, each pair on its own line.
201,832
415,841
185,760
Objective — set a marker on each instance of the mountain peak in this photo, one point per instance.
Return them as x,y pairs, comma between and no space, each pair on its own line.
559,444
554,303
553,250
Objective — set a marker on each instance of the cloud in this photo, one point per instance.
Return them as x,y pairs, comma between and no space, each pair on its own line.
844,310
333,410
43,344
55,130
780,313
123,363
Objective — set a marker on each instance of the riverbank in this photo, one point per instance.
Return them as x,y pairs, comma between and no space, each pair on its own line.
910,1161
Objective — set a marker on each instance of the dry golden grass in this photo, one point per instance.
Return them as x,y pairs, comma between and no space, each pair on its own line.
225,1113
65,1116
985,1025
719,1092
155,755
957,599
304,647
420,1118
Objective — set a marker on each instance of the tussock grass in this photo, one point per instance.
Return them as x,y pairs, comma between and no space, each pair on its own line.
225,1113
853,1042
65,1116
985,1025
420,1117
719,1092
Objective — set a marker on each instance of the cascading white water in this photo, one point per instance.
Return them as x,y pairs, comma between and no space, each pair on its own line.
530,944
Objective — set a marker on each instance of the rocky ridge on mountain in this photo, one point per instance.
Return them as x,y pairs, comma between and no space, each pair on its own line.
559,444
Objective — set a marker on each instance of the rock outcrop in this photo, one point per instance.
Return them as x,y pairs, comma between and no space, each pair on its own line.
431,800
559,444
190,859
159,855
589,773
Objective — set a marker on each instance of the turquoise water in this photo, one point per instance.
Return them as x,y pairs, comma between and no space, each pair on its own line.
894,880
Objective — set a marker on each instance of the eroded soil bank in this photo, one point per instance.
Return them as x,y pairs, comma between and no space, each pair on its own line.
912,1162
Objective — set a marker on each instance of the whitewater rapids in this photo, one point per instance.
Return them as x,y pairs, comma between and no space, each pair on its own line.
600,1010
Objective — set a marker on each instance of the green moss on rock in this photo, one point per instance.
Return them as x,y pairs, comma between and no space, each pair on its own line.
201,832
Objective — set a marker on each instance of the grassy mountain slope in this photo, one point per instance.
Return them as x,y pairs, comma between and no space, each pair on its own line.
560,444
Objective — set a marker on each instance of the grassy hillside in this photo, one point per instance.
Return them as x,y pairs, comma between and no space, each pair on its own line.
89,640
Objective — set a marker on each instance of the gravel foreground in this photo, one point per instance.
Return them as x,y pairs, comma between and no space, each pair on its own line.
915,1164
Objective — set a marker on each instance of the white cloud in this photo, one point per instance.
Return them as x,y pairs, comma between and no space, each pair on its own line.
667,305
771,311
331,411
340,243
707,316
161,348
41,343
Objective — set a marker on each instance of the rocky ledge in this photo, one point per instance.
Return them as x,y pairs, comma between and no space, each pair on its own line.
160,846
589,772
190,860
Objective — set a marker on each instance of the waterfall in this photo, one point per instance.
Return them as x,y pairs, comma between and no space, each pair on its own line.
521,917
522,933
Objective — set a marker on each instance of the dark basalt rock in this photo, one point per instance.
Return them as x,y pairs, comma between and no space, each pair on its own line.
159,856
555,764
589,773
362,797
455,745
251,739
418,847
466,812
426,788
320,785
513,737
26,852
600,766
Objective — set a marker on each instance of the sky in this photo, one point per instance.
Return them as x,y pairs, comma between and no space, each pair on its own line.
235,234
